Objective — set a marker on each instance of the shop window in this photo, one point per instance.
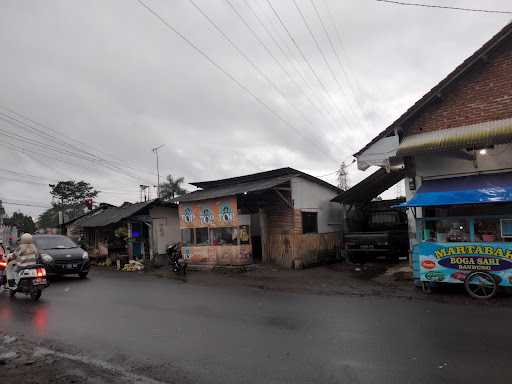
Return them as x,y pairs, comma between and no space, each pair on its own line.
201,236
309,222
506,228
187,236
244,235
447,230
487,230
224,236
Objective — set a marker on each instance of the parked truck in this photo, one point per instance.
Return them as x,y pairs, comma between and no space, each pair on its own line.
377,229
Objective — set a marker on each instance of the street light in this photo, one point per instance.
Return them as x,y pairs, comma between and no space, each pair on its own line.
155,151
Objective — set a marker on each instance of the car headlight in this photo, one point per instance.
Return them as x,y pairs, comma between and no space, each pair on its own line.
85,256
47,259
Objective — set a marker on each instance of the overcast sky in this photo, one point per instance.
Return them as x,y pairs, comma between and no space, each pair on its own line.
107,79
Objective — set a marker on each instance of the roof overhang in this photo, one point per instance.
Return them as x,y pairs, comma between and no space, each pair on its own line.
475,189
378,154
232,190
371,187
466,137
479,56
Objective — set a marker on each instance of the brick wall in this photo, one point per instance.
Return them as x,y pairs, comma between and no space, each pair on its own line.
482,94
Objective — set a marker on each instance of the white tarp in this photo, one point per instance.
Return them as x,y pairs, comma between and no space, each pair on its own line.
379,153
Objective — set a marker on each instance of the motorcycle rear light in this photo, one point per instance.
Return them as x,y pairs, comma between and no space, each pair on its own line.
40,272
3,264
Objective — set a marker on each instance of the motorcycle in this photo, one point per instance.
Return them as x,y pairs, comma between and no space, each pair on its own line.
30,280
176,262
3,266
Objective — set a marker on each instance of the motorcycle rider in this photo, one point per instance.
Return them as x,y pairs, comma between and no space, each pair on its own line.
3,259
25,254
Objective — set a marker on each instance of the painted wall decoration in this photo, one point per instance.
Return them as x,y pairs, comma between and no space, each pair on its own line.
209,213
206,217
187,216
226,212
452,262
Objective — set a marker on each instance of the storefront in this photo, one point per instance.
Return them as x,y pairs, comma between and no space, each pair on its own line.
282,216
214,233
464,233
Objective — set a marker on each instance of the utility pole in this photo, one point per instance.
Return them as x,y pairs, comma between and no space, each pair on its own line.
155,151
2,213
143,192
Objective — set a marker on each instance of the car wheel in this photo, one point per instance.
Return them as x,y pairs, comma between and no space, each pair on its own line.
83,275
35,294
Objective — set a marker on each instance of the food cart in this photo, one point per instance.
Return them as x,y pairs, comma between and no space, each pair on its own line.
464,234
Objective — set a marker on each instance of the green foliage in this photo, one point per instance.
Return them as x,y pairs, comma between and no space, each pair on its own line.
172,187
22,222
49,218
72,192
69,196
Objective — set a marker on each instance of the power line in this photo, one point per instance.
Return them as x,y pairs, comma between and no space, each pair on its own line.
288,57
306,60
241,53
17,175
353,75
26,204
322,54
224,71
354,100
58,150
34,152
445,7
44,133
251,62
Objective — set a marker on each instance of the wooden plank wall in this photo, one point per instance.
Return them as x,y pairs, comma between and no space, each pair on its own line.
308,249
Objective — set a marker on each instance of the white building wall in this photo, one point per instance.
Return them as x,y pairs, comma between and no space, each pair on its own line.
441,165
166,227
312,197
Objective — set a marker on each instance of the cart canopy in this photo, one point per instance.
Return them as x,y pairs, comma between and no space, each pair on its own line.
475,189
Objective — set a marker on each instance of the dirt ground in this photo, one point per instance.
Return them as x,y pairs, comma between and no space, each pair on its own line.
371,279
26,362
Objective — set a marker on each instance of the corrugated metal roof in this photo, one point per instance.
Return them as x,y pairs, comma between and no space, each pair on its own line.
371,187
235,189
279,172
489,46
477,135
113,215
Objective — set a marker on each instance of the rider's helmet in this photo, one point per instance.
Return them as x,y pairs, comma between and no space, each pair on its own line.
26,238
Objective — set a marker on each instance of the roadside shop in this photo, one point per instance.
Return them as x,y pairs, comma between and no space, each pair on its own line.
454,146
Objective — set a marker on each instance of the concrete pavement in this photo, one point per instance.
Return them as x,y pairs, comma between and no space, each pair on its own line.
182,333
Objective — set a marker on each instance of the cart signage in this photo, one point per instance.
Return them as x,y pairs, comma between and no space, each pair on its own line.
451,263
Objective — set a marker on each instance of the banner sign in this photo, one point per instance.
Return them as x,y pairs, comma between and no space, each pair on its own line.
209,213
452,262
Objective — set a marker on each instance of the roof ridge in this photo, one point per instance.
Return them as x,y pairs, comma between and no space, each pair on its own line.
468,63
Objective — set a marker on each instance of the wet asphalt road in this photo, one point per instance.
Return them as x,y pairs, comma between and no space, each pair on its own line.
183,333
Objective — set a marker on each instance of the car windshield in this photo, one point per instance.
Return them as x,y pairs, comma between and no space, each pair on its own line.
54,242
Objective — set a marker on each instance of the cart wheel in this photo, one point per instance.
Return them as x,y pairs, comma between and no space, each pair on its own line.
480,285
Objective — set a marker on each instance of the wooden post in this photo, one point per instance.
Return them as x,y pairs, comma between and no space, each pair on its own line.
265,257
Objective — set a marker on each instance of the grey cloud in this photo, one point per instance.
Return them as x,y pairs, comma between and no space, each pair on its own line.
109,74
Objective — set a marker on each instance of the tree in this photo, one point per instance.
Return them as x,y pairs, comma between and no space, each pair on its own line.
23,222
72,192
69,198
343,182
49,218
172,187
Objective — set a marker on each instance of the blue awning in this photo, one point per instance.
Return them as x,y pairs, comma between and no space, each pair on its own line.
477,189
